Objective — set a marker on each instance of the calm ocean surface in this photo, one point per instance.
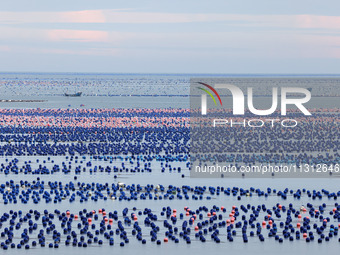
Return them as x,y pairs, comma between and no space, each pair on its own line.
153,91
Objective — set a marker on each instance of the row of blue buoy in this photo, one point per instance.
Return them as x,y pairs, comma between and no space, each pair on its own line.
281,146
39,191
118,165
20,229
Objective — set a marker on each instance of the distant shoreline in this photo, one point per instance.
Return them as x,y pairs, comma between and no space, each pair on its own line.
16,101
177,74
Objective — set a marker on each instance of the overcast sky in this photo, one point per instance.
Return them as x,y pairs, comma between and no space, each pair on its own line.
187,36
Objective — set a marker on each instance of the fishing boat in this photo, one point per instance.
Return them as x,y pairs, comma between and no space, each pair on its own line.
78,94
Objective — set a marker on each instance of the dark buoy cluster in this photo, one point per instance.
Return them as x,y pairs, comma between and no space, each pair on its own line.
84,142
39,191
282,223
96,164
148,132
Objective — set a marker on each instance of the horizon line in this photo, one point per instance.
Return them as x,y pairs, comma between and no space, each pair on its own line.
165,73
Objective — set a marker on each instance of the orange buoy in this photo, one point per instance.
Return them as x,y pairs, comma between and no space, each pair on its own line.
222,207
214,213
304,235
299,216
298,225
89,220
209,214
174,210
100,211
110,220
264,223
165,240
228,221
75,216
135,218
187,214
104,213
196,228
270,222
234,206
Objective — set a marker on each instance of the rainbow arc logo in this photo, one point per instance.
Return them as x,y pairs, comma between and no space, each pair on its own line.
209,93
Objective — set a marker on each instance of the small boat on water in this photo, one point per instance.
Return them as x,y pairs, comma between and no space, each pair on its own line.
78,94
